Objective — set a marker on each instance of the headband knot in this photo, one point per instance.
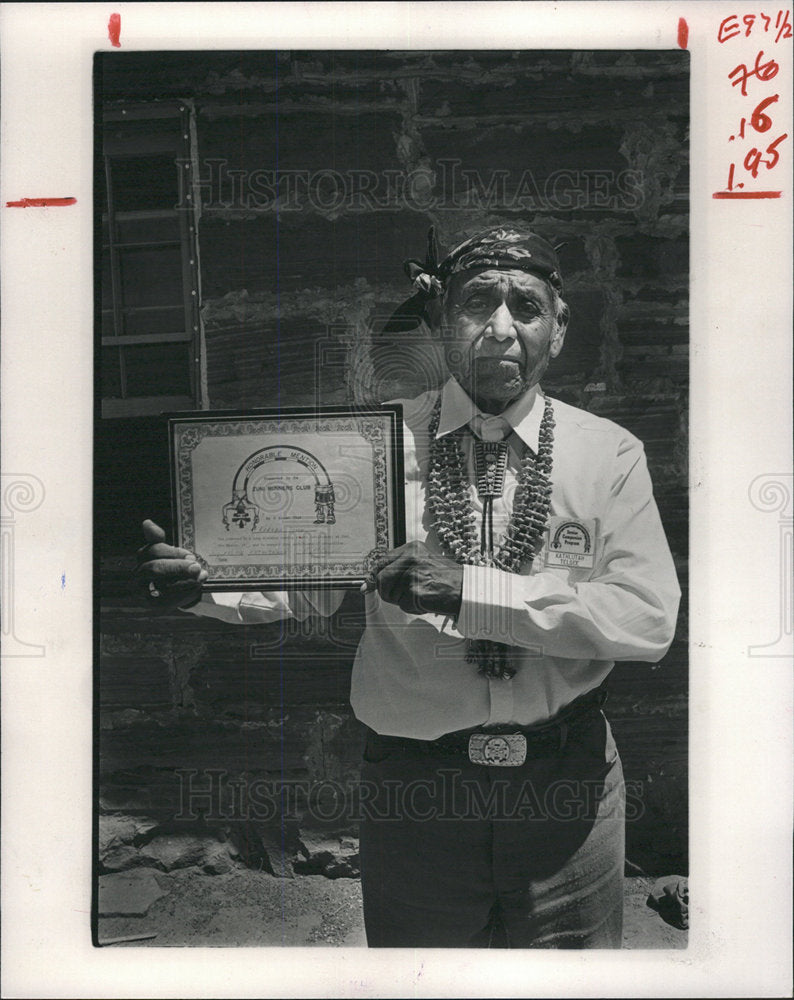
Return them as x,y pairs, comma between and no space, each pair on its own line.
507,247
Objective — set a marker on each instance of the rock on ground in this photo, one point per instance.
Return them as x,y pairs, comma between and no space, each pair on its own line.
129,894
246,908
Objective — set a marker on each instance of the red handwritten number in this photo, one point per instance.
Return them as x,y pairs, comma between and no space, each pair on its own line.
764,71
771,149
785,27
753,160
729,26
760,121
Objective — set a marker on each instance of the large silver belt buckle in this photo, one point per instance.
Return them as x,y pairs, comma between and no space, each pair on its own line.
509,750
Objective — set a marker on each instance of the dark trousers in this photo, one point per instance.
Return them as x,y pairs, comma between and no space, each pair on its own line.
456,854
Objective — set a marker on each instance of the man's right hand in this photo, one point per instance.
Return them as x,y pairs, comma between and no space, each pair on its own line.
169,577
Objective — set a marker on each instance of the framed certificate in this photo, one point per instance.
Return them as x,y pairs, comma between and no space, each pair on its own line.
289,498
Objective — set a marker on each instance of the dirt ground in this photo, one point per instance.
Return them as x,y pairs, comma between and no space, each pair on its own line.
250,908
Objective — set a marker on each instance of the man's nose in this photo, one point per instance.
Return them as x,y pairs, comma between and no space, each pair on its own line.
500,325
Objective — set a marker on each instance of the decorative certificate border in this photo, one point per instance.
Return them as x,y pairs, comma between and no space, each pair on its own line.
270,430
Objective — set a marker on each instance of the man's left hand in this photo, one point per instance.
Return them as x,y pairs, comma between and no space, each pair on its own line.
418,581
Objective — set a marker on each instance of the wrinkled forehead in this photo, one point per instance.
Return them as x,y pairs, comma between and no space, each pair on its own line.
500,279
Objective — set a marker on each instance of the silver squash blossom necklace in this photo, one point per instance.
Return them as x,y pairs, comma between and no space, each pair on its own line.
455,522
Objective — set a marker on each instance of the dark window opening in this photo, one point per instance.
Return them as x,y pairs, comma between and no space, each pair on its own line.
149,278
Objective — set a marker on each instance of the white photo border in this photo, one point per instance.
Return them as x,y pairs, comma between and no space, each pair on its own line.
740,705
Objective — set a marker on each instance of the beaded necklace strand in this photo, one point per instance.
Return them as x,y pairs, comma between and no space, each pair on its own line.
454,519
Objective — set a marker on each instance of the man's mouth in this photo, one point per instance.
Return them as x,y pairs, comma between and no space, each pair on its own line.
486,348
490,358
497,377
497,368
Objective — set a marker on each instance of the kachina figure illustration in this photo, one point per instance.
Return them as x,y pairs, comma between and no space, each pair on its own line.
324,504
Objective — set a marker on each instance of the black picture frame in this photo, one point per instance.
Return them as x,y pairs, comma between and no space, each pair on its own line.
300,553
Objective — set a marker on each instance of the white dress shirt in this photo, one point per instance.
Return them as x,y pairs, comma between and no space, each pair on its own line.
410,675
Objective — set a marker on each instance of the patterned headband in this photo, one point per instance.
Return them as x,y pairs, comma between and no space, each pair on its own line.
500,247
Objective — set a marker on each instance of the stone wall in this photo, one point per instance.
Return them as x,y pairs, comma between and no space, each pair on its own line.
298,274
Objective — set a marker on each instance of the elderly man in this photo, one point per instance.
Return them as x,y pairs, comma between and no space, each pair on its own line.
492,792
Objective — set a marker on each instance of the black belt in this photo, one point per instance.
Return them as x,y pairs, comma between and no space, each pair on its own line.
547,737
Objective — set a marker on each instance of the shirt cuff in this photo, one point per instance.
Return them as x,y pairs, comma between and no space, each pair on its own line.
243,607
489,600
216,605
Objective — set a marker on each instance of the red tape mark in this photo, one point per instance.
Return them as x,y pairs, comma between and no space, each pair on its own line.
40,202
683,33
747,194
114,30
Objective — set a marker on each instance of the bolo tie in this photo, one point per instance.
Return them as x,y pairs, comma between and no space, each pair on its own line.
490,465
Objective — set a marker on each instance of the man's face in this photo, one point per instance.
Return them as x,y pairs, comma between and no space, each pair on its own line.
500,331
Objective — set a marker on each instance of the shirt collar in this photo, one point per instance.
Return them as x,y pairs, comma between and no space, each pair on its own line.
523,415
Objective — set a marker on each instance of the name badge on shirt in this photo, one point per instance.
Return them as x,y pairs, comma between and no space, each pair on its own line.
571,542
